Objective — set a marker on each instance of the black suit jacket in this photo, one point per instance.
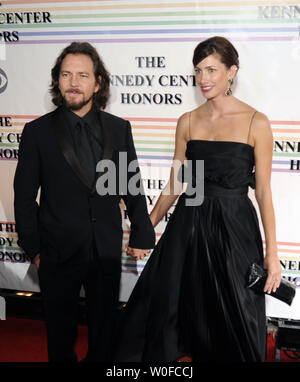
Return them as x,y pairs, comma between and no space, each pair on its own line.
71,214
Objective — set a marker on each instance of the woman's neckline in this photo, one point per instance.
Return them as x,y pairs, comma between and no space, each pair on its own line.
206,140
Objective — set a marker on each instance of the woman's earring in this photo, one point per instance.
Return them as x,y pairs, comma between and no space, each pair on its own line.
229,91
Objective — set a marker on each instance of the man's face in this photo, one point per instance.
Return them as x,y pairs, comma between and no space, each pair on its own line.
77,83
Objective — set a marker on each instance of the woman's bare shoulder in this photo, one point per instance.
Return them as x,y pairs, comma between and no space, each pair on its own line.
261,129
259,118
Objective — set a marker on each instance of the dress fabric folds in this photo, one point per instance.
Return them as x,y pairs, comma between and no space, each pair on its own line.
191,297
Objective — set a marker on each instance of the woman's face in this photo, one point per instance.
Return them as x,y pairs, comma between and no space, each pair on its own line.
212,76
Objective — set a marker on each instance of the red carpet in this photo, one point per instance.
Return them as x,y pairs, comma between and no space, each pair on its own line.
24,340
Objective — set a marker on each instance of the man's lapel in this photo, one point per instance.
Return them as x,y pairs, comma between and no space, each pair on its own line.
107,141
106,135
64,139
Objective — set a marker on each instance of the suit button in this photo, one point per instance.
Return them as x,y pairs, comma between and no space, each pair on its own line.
93,220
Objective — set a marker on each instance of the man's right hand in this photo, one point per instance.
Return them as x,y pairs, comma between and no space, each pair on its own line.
36,260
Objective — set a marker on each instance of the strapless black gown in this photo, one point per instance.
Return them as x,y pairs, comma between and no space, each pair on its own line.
191,297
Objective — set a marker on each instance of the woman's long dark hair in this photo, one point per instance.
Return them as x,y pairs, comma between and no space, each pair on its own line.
100,98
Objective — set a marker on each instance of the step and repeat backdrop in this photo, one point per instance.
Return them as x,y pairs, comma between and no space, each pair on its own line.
147,47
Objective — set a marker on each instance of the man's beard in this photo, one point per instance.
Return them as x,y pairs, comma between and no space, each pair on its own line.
74,106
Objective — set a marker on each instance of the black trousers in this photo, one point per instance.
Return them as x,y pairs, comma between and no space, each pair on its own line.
60,287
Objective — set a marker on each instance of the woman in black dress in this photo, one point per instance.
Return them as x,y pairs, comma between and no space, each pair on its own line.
191,297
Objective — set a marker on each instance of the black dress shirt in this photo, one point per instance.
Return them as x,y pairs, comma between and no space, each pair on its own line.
87,140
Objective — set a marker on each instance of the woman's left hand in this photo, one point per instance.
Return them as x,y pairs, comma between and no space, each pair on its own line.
138,254
272,264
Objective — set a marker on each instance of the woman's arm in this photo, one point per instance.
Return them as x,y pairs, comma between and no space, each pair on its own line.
174,187
263,149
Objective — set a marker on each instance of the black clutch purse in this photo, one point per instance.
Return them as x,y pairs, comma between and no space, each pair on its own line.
257,280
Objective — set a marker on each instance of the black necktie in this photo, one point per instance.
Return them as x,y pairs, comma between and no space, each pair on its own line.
85,152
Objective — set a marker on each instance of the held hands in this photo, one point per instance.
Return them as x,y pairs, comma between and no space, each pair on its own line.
272,264
138,254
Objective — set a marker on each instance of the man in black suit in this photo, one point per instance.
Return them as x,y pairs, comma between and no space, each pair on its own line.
74,234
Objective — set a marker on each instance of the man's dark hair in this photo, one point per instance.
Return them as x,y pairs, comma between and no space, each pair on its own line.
100,98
